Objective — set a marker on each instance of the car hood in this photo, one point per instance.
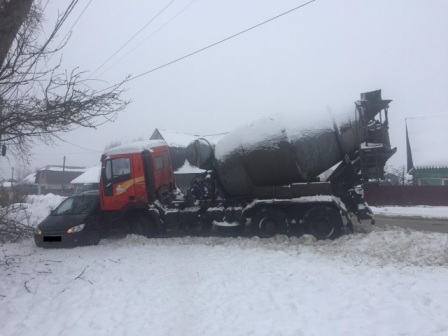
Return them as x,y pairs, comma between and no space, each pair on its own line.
60,223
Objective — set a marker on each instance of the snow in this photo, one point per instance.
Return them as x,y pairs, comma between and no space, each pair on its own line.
187,168
135,147
30,179
428,138
62,168
181,139
266,132
382,282
416,211
91,175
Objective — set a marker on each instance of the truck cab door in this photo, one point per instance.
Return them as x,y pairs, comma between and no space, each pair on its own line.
117,182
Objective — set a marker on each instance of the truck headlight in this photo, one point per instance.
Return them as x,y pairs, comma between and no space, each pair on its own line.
76,228
38,231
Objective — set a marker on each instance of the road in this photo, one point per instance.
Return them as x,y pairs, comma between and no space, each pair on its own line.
415,223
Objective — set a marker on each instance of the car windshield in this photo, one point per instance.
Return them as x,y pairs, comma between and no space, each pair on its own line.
76,205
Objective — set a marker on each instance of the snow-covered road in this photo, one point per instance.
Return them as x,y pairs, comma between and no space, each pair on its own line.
383,282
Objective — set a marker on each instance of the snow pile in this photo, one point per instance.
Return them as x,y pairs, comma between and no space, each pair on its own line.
39,206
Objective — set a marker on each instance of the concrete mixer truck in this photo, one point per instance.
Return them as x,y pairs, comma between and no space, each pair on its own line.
263,176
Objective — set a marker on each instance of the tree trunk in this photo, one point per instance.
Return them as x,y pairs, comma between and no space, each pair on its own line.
12,15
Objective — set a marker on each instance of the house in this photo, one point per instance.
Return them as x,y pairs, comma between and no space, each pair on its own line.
178,142
89,180
427,157
56,179
28,185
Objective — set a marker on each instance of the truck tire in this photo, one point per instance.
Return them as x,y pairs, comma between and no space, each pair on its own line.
323,222
268,222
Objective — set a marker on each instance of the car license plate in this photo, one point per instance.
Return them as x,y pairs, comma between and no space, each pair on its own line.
52,239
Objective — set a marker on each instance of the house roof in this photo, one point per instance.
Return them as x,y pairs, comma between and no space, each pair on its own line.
30,179
426,140
91,175
182,139
63,168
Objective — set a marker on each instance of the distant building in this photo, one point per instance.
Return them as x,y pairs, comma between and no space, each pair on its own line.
178,142
89,180
57,179
28,184
7,183
427,157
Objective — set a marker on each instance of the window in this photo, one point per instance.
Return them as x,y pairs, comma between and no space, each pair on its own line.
108,170
158,162
445,182
166,160
121,167
117,170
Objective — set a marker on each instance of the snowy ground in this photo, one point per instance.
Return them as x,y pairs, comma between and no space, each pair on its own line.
414,211
385,282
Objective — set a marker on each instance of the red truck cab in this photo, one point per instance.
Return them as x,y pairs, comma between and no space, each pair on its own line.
136,175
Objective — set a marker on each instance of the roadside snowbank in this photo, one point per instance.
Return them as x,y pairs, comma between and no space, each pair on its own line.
412,211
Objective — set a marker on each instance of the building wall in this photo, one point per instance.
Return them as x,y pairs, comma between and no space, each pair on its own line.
430,176
406,195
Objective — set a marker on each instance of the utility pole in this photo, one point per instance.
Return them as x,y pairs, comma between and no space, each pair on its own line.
63,170
12,177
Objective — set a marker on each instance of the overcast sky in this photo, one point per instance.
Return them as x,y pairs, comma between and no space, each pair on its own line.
324,54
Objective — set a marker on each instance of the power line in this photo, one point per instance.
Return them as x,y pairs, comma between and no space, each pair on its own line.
80,147
151,35
68,33
129,40
219,42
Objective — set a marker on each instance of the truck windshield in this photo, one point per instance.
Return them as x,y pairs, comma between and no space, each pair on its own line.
77,205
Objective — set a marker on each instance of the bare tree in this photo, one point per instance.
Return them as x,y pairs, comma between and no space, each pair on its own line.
38,101
397,176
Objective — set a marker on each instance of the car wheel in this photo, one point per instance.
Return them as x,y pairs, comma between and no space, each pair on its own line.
94,238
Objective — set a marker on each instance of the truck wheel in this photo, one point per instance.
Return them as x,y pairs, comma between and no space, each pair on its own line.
269,222
323,222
